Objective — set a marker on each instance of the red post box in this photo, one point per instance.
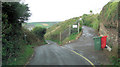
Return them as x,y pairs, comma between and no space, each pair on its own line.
103,41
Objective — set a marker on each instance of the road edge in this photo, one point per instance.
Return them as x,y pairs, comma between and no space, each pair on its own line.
32,55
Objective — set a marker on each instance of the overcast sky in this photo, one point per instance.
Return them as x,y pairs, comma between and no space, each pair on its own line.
60,10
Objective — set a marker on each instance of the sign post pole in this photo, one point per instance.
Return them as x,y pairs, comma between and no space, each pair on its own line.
69,30
78,28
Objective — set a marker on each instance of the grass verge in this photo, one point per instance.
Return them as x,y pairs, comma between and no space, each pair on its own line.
23,56
71,37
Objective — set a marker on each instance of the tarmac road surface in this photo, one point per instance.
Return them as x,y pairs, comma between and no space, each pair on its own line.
85,46
53,54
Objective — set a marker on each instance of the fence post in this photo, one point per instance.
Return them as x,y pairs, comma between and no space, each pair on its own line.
78,28
60,38
69,30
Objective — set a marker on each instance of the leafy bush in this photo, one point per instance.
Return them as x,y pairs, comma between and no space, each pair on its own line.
87,19
30,37
91,20
40,32
14,43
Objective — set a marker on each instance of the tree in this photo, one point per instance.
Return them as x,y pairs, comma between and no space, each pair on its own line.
13,15
17,13
40,32
91,11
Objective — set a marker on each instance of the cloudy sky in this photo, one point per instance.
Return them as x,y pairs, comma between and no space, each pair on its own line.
60,10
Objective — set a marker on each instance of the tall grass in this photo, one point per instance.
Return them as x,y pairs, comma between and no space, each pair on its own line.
71,37
53,33
95,24
23,56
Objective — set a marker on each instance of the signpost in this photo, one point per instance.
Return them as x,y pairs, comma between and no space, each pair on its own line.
75,26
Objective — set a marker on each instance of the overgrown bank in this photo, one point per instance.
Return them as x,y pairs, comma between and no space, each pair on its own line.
109,26
59,32
106,23
91,20
17,42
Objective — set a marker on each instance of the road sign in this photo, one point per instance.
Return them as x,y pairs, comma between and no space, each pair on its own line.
75,26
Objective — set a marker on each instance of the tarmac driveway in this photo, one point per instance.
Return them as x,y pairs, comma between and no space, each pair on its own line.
85,46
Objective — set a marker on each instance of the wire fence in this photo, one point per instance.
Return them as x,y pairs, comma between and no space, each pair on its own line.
65,34
61,36
68,31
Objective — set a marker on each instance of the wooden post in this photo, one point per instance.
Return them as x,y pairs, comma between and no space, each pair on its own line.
119,38
69,30
60,38
78,27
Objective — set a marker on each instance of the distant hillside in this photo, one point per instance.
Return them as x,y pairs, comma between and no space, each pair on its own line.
42,24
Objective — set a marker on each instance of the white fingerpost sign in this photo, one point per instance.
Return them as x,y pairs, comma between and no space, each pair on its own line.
75,26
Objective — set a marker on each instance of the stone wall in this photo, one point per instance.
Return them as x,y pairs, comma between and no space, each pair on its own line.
112,39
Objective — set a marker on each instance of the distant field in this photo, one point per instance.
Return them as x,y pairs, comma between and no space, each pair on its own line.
42,24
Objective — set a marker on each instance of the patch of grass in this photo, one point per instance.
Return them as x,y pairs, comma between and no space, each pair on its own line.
71,37
23,56
53,33
41,24
57,41
59,27
38,25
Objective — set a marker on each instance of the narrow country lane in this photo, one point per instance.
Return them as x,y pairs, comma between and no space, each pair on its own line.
53,54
